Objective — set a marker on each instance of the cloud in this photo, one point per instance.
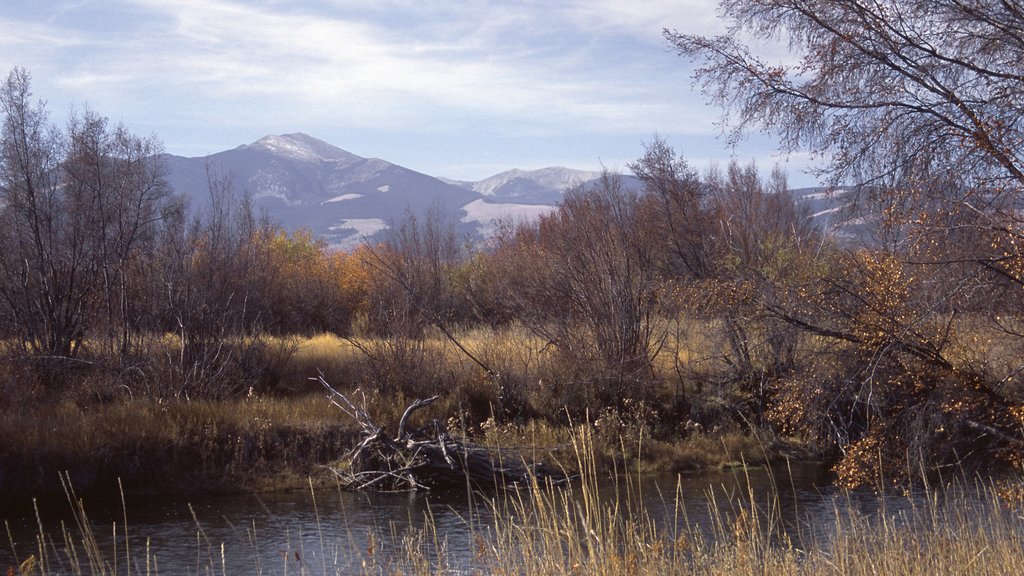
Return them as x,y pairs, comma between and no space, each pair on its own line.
534,77
650,17
524,64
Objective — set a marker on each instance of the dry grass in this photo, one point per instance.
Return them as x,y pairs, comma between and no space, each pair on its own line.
329,354
246,444
577,531
581,530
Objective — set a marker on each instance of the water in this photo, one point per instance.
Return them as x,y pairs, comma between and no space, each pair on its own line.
343,532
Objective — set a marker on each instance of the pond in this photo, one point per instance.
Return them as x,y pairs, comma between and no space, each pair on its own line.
327,531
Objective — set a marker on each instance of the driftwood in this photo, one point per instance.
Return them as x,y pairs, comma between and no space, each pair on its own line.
428,457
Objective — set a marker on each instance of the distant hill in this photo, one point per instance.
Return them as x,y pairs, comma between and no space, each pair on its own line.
303,182
836,212
543,186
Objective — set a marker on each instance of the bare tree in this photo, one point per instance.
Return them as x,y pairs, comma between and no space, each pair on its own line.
917,101
879,84
678,199
920,99
48,266
81,208
593,285
416,290
211,277
120,196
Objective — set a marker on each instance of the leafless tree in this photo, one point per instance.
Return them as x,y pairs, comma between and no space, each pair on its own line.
80,211
593,285
211,272
46,264
678,199
120,197
920,99
415,290
919,103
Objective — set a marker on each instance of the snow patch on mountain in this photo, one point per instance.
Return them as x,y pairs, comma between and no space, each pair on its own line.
487,215
351,232
365,226
301,147
342,198
555,178
827,211
267,185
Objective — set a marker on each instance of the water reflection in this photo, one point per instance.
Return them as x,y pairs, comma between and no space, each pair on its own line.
343,532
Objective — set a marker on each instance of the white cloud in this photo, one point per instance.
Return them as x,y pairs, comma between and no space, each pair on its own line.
424,78
652,16
375,75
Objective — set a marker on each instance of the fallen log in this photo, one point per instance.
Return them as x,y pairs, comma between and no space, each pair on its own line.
428,457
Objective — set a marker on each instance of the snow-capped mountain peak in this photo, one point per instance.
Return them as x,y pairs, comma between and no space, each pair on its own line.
302,147
305,183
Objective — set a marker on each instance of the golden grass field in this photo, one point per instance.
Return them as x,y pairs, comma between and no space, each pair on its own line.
273,437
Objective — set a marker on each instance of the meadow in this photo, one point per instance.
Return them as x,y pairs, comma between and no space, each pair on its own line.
284,429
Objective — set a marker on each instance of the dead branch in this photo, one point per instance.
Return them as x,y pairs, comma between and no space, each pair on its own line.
408,412
428,457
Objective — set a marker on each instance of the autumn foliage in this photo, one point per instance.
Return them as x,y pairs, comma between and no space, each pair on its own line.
692,303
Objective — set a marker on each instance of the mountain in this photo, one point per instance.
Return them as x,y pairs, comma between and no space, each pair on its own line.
543,186
838,213
303,182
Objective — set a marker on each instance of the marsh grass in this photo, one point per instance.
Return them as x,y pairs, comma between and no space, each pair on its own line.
244,444
964,528
275,436
595,526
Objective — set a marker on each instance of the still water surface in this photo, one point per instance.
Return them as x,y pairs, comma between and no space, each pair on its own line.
343,532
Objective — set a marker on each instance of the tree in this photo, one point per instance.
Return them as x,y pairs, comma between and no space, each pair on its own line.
46,267
213,274
761,239
879,84
678,199
414,287
80,210
920,99
305,286
590,283
918,103
119,197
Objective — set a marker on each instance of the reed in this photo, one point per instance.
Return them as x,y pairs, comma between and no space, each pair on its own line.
969,527
591,527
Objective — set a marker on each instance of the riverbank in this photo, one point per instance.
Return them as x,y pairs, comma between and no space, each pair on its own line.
100,428
260,444
159,446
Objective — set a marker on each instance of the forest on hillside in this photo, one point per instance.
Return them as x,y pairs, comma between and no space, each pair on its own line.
703,302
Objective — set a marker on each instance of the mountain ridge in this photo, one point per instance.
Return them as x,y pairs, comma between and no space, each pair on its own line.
344,198
302,182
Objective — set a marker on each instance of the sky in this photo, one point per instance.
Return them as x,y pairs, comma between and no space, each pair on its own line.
462,90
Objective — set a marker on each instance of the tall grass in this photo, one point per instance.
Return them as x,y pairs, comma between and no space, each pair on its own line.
273,437
596,526
967,528
247,444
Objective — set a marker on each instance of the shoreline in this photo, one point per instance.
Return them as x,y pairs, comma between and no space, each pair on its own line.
273,444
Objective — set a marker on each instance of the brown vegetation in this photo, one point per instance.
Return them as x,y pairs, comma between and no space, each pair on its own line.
589,527
700,305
